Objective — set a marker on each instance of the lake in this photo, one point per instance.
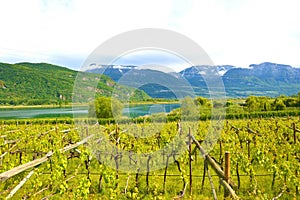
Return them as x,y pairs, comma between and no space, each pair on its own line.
132,111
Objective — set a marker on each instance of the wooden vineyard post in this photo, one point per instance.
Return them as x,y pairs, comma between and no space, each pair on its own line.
179,128
137,178
117,156
295,142
297,188
165,174
210,181
148,172
221,152
295,133
238,175
248,148
190,160
204,174
11,194
227,172
229,184
86,131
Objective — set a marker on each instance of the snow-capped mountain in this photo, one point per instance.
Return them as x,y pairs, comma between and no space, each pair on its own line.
202,70
115,72
156,83
268,79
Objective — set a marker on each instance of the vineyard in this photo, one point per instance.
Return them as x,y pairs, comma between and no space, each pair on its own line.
252,159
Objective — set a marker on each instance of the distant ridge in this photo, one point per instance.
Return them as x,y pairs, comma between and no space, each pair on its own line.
42,83
265,79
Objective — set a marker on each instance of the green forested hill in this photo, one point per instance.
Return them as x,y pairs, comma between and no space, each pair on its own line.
42,83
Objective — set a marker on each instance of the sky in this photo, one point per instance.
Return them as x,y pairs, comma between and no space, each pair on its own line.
234,32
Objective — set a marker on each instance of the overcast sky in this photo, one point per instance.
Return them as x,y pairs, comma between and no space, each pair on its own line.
236,32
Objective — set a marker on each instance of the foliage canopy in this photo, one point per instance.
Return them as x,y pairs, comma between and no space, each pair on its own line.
105,107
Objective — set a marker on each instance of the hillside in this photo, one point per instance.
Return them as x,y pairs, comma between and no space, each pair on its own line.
41,83
265,79
155,83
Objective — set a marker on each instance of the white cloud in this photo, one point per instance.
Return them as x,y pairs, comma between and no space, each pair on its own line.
232,32
253,31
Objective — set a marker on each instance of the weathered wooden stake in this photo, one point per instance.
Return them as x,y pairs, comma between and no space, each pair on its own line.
86,131
221,152
295,133
116,157
165,174
148,172
238,175
297,188
249,149
210,181
227,172
137,178
204,174
190,160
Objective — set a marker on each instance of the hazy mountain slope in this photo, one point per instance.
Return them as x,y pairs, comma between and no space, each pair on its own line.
268,79
41,83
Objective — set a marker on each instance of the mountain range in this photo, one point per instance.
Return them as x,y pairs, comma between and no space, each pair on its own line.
42,83
265,79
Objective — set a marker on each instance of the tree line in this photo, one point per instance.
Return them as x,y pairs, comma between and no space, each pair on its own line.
106,109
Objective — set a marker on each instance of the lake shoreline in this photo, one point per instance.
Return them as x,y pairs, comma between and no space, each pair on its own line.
79,110
70,105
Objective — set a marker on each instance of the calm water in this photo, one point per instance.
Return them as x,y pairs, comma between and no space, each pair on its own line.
149,109
134,111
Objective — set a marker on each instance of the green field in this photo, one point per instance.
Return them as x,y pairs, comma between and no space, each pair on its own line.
264,152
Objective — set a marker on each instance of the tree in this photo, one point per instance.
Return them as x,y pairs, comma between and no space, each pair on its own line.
105,107
264,103
279,105
290,102
229,103
252,103
189,108
201,101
